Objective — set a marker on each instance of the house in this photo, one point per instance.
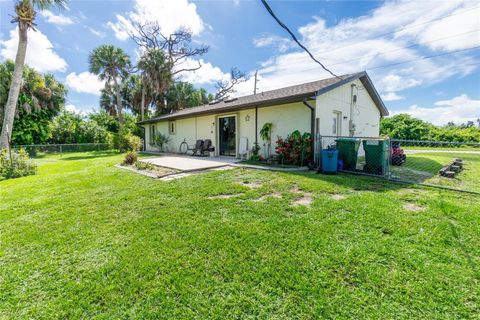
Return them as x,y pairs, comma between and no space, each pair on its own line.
341,106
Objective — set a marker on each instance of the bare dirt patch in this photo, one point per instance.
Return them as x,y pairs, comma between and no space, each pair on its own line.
271,195
413,207
295,189
305,200
337,197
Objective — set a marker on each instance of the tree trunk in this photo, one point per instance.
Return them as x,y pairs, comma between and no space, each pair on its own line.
9,112
119,106
142,107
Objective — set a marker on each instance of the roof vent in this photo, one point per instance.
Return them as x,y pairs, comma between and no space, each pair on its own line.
230,100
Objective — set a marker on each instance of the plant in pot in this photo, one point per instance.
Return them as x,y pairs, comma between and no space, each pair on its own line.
266,135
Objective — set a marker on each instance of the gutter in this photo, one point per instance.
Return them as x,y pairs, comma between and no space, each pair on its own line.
312,117
312,122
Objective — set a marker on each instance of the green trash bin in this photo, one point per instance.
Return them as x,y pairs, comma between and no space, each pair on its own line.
348,152
376,156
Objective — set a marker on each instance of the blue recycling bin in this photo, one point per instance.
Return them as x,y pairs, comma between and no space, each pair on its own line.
329,160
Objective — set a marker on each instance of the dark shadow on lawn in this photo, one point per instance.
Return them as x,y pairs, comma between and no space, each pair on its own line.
91,155
355,182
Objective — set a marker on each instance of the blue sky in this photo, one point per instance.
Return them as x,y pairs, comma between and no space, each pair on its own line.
347,36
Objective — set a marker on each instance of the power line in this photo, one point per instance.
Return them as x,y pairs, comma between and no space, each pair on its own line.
412,60
401,48
424,58
406,28
270,11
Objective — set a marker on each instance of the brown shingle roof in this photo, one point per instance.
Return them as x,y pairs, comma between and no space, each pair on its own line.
278,96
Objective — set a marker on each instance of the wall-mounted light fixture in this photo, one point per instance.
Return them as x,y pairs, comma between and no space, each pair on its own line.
247,118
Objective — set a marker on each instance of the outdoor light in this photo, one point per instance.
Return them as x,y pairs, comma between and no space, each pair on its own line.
247,118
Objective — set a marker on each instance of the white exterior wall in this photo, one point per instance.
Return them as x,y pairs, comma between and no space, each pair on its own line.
366,115
285,119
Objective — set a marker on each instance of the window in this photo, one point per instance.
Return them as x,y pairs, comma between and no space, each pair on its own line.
152,134
336,124
172,127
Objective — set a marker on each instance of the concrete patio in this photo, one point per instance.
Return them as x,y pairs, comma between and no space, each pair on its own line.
189,163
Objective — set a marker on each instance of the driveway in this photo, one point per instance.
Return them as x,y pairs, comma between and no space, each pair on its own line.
188,163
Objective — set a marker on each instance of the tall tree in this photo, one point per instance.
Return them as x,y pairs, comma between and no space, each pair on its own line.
112,65
177,46
156,77
41,97
226,87
25,18
184,95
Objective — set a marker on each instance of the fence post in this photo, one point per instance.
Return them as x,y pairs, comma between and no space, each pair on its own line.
60,150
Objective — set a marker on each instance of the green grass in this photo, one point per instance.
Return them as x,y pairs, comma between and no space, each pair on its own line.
82,239
265,164
423,167
441,148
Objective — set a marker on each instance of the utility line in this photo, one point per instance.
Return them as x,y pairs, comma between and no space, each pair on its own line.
424,58
401,48
412,60
406,28
270,11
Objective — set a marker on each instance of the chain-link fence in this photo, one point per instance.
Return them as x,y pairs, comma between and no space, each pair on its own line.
36,149
452,165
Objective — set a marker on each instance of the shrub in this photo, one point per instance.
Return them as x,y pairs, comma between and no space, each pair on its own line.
127,142
295,149
161,140
18,165
144,165
130,158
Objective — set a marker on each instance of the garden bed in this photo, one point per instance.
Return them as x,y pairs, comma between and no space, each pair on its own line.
148,169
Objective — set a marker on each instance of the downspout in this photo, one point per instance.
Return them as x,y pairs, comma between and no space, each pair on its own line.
353,101
256,126
312,117
312,124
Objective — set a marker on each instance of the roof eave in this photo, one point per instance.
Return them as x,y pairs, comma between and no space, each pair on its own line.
272,102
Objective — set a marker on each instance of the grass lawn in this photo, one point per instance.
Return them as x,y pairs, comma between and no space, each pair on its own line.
83,239
424,167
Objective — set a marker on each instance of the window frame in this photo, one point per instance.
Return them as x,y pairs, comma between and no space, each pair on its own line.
172,127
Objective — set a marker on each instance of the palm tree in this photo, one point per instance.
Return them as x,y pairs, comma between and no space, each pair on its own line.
25,17
156,76
111,65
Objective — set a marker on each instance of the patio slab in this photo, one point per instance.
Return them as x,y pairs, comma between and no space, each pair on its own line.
186,164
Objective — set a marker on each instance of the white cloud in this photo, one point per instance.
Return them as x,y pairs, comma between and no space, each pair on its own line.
170,15
271,40
380,38
459,109
40,53
207,74
75,109
60,20
97,33
392,96
459,30
84,82
394,82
